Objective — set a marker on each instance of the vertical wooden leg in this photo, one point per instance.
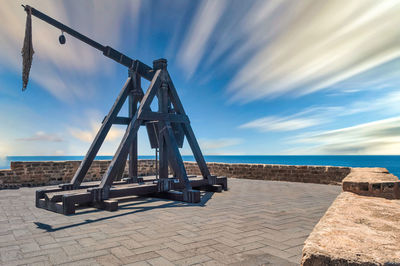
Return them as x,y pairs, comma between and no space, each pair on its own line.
133,152
175,156
163,157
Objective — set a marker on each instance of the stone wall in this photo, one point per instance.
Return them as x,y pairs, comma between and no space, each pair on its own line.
55,172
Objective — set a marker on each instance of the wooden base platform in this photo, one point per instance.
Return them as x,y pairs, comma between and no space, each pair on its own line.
66,201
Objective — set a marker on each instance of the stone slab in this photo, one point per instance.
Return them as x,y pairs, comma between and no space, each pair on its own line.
356,230
377,182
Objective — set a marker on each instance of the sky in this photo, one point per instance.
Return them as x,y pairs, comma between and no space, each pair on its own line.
255,77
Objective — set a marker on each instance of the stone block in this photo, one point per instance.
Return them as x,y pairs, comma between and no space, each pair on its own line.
377,182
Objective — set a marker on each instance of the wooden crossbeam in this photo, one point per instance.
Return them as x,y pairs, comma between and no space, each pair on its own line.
154,116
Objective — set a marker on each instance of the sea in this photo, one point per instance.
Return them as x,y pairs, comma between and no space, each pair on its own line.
390,162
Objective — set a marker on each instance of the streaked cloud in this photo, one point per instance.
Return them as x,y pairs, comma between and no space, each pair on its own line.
378,137
291,48
213,144
273,123
198,36
42,136
322,45
387,104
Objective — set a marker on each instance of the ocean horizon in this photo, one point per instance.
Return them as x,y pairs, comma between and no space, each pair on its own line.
390,162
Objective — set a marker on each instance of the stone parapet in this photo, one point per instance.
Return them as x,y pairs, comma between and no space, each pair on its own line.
56,172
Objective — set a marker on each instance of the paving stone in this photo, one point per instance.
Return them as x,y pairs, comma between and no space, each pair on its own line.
170,254
140,257
121,252
108,260
33,246
139,263
193,260
160,261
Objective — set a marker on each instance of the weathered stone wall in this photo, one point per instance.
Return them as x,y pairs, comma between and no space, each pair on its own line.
293,173
55,172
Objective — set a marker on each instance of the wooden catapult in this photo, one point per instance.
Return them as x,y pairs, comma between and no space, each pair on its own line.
166,129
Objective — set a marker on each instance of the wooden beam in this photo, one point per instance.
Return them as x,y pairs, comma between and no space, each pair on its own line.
134,97
121,120
154,116
101,135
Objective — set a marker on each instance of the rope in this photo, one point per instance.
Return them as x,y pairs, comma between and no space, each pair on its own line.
27,50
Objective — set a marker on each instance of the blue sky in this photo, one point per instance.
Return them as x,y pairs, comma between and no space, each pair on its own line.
255,77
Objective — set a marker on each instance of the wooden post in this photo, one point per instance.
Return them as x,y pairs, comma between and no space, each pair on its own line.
162,96
134,98
175,157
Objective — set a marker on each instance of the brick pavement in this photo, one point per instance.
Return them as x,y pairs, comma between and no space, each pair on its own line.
255,222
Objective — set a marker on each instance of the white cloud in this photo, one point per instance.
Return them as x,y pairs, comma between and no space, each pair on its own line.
214,144
42,136
378,137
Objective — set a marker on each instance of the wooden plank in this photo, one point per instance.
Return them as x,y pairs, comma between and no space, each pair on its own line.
162,95
154,116
57,195
133,190
173,95
163,156
175,157
121,120
108,205
192,196
130,133
101,135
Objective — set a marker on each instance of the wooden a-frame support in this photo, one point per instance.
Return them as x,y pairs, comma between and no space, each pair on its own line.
171,111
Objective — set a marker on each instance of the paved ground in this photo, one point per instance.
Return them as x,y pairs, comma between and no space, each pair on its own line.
255,222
